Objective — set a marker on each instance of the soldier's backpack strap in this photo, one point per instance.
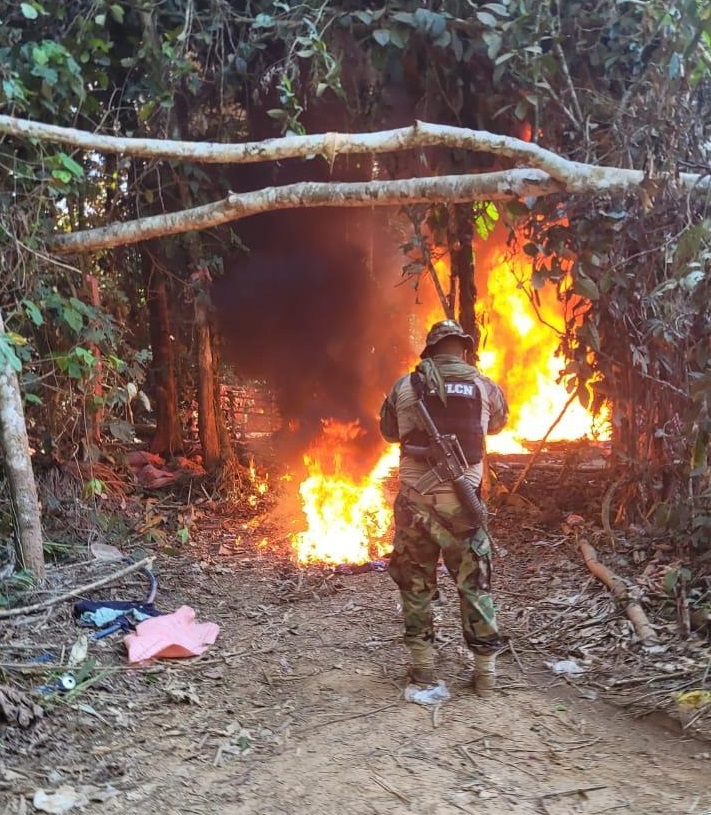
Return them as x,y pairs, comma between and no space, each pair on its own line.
418,384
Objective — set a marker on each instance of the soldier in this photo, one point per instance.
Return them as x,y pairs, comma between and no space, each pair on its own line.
429,517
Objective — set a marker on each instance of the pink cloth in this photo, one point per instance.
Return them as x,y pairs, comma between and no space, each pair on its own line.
170,635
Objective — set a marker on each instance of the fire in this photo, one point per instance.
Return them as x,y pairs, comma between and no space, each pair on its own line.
518,350
258,483
347,517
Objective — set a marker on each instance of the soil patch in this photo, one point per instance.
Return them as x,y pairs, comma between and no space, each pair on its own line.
298,707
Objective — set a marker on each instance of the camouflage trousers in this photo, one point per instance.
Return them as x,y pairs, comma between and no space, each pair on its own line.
422,532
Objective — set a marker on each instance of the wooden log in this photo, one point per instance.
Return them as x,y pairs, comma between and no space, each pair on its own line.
618,588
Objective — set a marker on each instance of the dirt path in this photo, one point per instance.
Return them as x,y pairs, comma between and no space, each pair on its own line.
298,709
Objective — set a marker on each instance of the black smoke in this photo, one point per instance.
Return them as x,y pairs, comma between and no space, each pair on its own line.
322,324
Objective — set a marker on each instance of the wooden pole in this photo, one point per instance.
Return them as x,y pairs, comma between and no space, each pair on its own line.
618,588
527,469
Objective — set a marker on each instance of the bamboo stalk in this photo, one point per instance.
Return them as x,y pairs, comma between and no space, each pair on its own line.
618,588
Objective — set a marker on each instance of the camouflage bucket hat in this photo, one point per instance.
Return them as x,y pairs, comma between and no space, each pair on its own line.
446,328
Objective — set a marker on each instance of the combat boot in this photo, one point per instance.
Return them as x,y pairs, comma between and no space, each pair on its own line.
422,668
484,674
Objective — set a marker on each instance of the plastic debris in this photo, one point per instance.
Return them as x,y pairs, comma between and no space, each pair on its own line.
567,667
433,695
63,684
79,652
105,615
59,801
170,636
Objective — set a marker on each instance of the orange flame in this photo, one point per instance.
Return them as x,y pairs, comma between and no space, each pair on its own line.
519,350
258,484
347,517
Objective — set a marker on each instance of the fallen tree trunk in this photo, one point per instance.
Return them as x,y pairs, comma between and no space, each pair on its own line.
618,588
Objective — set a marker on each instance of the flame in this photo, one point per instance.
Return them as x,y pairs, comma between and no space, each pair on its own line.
258,483
519,350
347,518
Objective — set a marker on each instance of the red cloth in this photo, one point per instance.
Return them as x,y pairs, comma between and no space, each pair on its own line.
169,636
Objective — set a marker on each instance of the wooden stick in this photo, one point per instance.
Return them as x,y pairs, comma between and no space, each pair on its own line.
542,444
574,791
16,612
618,588
384,784
340,719
509,642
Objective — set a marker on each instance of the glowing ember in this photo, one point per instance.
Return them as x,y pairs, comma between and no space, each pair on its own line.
259,484
347,518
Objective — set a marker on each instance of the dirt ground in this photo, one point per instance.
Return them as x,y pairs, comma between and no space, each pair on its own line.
298,707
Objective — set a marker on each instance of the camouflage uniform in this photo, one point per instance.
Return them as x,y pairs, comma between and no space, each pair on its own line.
434,521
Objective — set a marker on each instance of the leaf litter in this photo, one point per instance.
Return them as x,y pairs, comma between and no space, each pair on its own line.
308,676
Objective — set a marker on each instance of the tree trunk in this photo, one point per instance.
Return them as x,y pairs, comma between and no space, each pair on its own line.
207,404
168,438
94,409
227,453
462,254
18,468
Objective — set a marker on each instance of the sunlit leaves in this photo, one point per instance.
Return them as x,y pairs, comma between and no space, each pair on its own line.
117,12
33,312
486,216
79,363
486,18
8,354
14,91
263,21
381,36
42,76
29,11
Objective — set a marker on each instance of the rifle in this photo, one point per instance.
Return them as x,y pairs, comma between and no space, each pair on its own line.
449,463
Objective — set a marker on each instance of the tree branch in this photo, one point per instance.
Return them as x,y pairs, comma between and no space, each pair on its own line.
507,184
546,173
576,176
456,188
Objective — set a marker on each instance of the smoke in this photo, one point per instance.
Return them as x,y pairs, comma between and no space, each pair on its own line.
309,318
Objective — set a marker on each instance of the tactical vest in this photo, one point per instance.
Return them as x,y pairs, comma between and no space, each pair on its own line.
460,417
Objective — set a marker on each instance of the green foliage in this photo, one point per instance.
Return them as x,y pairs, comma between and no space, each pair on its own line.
93,488
8,354
485,216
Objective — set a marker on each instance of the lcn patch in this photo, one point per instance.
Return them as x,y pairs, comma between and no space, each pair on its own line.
461,389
